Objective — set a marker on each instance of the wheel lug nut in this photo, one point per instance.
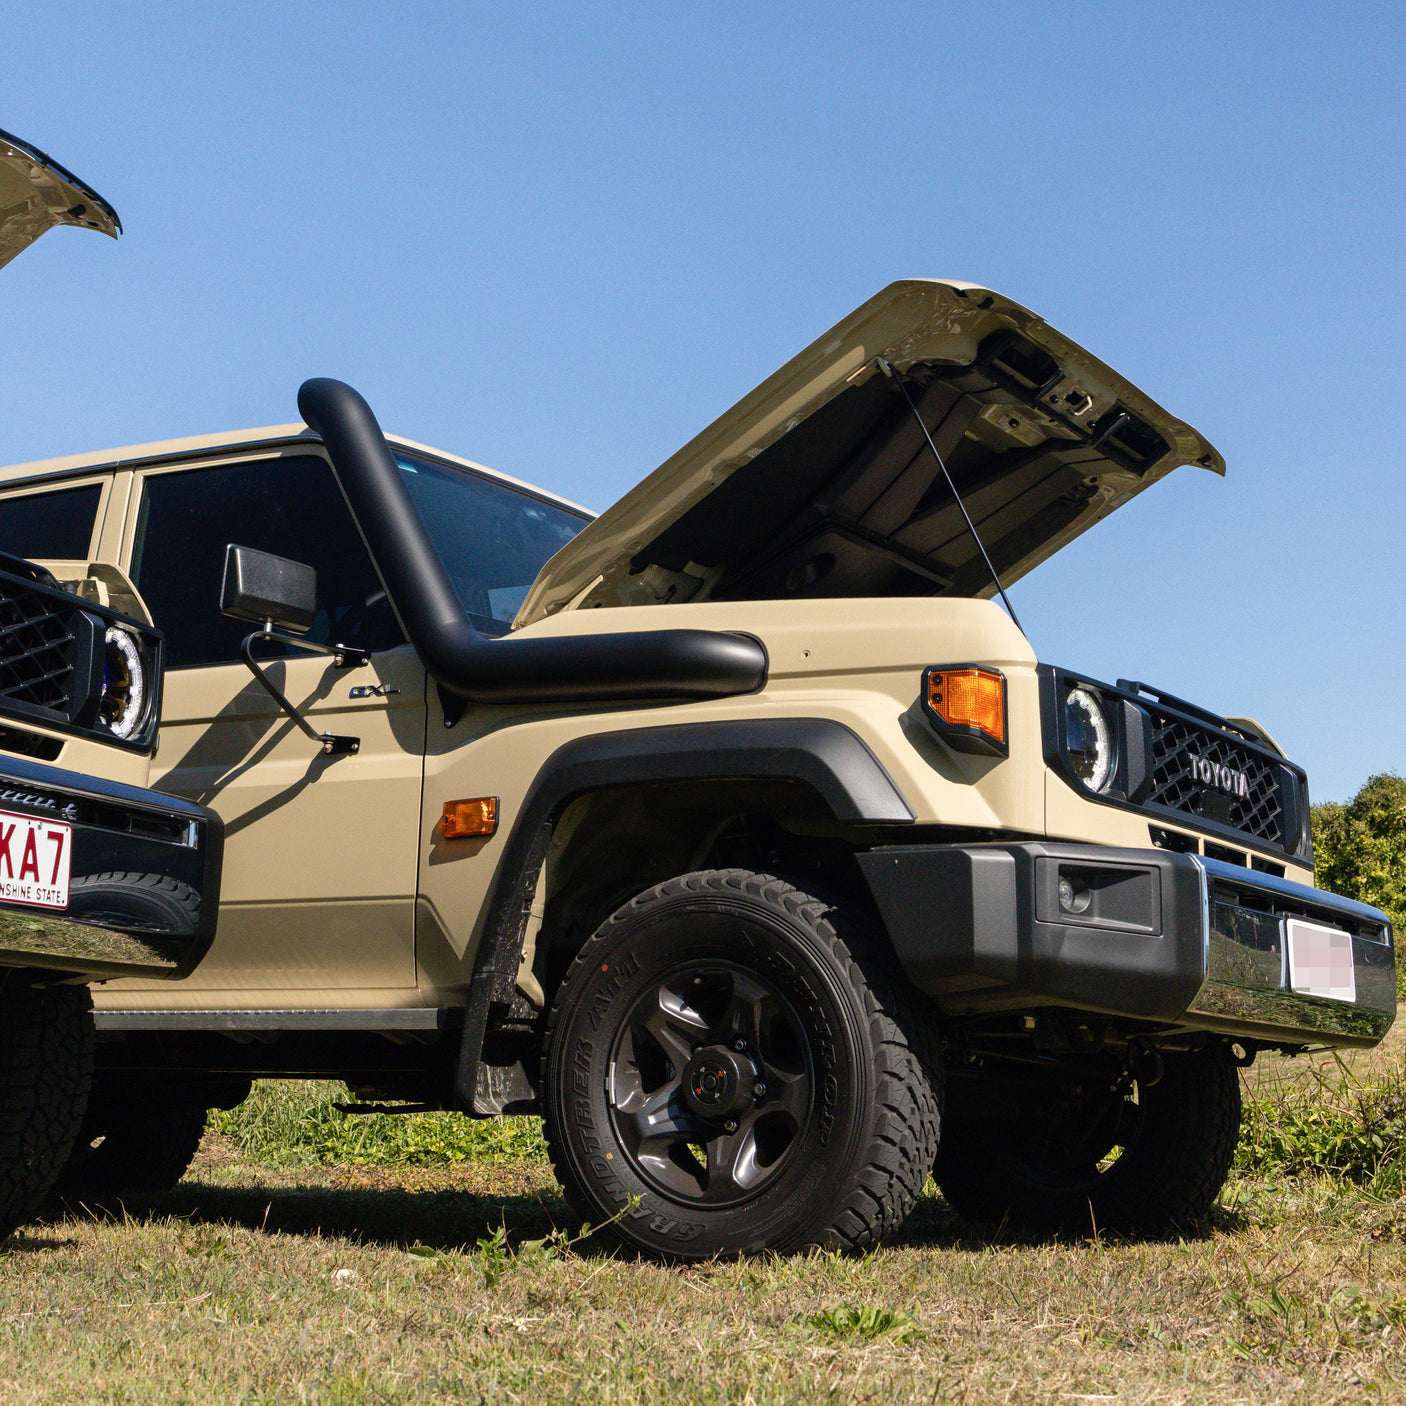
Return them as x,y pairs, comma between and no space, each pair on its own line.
730,1126
759,1088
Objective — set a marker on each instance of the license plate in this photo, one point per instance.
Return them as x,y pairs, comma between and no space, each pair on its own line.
34,859
1320,961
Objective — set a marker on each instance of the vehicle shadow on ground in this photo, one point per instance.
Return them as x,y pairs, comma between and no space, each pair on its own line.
450,1219
438,1219
933,1224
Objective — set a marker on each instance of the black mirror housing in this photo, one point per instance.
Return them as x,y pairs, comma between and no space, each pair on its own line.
268,590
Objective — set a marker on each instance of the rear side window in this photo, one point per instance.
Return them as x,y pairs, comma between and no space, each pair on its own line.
57,525
291,507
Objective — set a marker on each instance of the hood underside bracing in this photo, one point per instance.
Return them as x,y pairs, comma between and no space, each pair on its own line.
821,483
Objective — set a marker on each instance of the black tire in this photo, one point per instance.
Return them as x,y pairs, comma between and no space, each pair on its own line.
46,1067
818,1131
141,902
1146,1161
135,1139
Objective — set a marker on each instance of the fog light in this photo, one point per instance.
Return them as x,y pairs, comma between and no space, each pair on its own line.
1073,897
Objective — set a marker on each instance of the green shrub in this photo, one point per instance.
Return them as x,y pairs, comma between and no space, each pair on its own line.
863,1321
1359,851
1333,1126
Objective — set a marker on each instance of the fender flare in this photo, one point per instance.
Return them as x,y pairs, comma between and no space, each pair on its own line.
828,757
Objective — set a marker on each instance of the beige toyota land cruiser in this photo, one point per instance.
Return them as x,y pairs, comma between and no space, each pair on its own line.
99,877
739,831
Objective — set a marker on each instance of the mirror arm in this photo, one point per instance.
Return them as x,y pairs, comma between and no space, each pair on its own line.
343,657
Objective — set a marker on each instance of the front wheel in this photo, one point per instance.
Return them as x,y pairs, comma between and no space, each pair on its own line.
732,1066
46,1066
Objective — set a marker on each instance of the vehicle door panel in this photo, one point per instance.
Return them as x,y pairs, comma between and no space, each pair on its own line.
321,852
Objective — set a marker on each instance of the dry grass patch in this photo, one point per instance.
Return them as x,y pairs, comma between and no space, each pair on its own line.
354,1285
288,1280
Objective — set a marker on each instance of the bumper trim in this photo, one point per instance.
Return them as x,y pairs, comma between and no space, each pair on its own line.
144,878
1247,989
35,940
1155,936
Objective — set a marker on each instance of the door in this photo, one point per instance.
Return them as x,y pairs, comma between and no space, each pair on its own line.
321,853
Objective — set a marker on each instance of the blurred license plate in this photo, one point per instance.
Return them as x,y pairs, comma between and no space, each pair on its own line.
1320,961
34,857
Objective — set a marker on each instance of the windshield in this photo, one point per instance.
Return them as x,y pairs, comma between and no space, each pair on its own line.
492,537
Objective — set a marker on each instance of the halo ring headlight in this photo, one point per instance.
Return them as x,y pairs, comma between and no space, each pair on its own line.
124,683
1088,737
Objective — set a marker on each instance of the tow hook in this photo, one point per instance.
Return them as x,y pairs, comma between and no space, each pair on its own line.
1145,1065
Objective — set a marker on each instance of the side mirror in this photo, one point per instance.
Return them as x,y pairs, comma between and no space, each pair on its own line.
268,590
271,591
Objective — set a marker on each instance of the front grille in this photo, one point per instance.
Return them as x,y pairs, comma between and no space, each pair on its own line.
36,647
1176,744
1220,778
52,667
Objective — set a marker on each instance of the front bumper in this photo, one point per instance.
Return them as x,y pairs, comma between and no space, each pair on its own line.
127,844
1178,940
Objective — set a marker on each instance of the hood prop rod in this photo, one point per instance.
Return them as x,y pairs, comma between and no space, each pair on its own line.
896,377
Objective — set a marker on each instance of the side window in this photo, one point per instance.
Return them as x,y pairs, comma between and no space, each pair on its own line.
57,525
291,507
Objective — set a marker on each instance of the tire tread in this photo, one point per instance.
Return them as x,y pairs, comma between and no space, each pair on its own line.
46,1068
902,1137
151,900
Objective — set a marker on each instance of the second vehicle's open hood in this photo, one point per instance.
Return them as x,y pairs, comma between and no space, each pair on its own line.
821,483
36,193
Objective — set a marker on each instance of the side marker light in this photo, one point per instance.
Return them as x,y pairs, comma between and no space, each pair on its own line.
465,819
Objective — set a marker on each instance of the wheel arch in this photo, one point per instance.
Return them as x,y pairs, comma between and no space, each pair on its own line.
794,769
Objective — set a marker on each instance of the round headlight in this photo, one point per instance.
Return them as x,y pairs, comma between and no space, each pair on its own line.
1088,739
124,683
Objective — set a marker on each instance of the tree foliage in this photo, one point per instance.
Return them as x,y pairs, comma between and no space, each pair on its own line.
1359,849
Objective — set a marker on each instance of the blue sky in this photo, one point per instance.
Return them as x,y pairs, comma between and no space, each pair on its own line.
561,239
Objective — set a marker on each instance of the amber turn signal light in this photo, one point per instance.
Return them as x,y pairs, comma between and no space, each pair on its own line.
463,819
969,707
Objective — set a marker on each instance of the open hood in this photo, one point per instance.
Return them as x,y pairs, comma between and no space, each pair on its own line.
821,482
36,193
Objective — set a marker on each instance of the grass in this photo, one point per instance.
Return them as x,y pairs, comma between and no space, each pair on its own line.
293,1124
1335,1124
306,1258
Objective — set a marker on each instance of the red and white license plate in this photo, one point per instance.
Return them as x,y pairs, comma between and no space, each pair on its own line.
34,859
